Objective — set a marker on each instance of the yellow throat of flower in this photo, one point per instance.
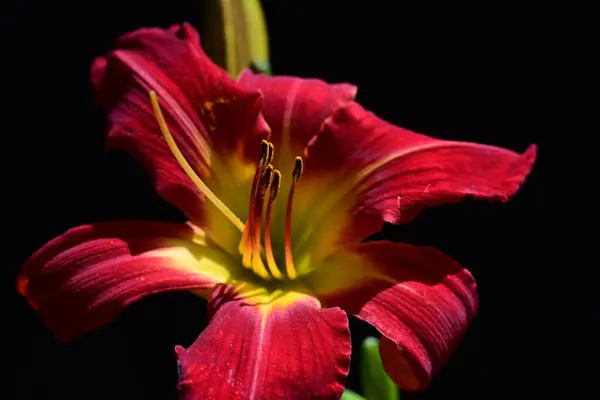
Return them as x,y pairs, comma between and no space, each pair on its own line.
266,180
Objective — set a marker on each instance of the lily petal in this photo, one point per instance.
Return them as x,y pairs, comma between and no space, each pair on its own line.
297,106
420,299
205,109
82,279
394,173
288,348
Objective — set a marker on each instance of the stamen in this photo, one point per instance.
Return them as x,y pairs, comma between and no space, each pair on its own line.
244,241
275,184
257,264
188,169
249,245
289,259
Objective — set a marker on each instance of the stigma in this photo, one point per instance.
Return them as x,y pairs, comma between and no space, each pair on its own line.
256,252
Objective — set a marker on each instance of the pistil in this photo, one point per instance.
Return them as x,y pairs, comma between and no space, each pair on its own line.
208,194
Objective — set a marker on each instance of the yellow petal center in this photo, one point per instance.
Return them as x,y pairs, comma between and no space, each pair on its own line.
256,250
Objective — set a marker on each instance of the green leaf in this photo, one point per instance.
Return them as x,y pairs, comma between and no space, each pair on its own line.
350,395
376,384
261,67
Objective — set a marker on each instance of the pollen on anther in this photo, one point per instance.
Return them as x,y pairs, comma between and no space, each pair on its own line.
271,152
268,177
298,168
264,153
275,184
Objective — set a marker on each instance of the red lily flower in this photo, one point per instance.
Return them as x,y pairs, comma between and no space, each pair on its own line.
277,254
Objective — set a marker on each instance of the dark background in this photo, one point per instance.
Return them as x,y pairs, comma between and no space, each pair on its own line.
507,76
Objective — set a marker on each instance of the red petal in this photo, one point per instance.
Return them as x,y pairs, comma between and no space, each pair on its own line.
82,279
204,108
420,299
300,104
268,351
420,171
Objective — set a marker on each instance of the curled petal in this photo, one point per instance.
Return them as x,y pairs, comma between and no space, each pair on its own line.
287,348
206,111
394,173
420,300
297,106
82,279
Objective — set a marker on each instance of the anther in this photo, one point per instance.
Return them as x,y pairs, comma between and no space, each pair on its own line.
257,265
271,153
267,177
275,184
247,241
265,149
298,169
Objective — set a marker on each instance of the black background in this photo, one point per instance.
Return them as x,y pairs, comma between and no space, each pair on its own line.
501,75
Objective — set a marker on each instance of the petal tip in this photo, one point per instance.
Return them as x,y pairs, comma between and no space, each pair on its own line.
186,31
347,92
524,166
22,282
530,155
97,71
179,351
410,375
